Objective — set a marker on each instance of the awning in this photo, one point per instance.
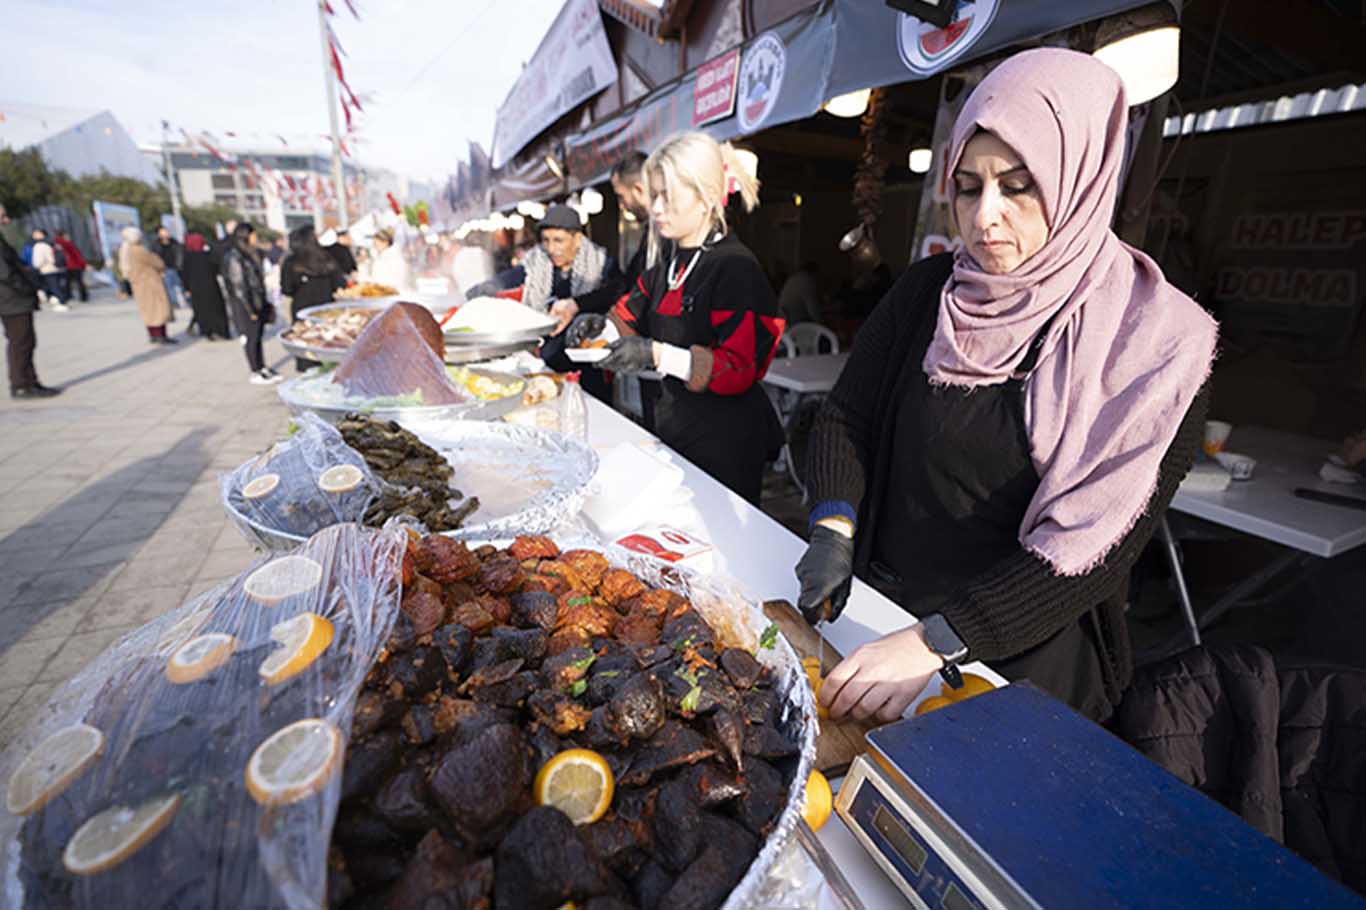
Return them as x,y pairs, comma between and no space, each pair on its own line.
788,72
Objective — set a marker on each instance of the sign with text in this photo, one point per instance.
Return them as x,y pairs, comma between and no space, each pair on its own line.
713,96
572,64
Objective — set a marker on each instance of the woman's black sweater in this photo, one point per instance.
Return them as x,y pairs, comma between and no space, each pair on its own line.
1020,601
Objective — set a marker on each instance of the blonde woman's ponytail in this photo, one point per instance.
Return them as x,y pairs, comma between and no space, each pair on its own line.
747,184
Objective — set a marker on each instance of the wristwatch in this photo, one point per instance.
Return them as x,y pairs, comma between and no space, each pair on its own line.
944,641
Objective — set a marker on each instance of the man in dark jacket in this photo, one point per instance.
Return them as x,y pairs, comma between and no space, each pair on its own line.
173,254
18,300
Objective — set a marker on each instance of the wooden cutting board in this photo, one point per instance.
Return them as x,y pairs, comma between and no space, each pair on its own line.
837,743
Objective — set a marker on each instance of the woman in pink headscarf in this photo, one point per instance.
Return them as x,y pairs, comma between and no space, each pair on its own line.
1015,415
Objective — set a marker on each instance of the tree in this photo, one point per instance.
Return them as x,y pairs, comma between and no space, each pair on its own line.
150,201
201,219
26,183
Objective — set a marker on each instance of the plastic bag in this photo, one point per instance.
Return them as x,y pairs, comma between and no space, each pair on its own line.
182,720
563,412
299,486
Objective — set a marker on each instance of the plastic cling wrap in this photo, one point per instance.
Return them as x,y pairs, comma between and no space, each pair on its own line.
401,357
197,762
299,486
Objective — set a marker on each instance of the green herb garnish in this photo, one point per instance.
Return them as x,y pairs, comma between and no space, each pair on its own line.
584,663
580,601
689,702
770,636
578,688
608,674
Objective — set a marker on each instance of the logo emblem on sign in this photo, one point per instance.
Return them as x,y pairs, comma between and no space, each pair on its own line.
761,79
926,49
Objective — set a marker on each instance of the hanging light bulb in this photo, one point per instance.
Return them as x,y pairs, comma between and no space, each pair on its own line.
517,221
852,104
534,211
591,200
749,161
1144,47
525,207
920,160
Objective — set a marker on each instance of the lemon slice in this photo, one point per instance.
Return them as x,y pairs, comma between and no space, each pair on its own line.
819,801
340,478
300,640
117,833
579,783
261,486
294,762
199,657
282,578
51,767
181,631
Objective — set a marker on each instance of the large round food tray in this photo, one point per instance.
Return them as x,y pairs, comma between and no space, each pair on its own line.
484,339
528,480
477,410
313,352
477,353
438,305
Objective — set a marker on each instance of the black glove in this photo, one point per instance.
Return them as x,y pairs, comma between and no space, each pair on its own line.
585,327
825,571
629,355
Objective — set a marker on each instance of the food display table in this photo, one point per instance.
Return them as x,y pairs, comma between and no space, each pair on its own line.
760,553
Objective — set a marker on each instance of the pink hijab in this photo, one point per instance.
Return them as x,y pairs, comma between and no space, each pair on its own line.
1125,353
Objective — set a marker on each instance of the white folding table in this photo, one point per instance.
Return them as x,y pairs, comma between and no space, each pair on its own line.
812,374
1266,507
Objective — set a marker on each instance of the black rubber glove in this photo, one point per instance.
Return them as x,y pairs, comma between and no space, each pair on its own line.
629,355
826,572
585,327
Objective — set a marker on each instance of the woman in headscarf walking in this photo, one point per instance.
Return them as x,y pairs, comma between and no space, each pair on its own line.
309,276
245,283
143,270
1014,417
201,286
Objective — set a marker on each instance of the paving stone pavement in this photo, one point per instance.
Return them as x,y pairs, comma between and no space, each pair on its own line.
109,510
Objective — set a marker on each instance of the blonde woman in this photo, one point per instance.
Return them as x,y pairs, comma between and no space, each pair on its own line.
703,314
143,270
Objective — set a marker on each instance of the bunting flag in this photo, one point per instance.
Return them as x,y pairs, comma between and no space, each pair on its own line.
352,7
282,140
393,203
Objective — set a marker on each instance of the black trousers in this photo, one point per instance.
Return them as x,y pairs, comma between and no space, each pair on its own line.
75,282
253,329
21,341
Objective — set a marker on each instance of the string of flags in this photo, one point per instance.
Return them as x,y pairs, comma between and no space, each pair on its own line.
297,192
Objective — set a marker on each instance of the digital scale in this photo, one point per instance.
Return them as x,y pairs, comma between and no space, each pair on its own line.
1012,800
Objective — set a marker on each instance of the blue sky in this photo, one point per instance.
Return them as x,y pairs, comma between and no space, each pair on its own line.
434,70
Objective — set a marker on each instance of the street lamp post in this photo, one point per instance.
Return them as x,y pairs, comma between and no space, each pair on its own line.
169,168
329,80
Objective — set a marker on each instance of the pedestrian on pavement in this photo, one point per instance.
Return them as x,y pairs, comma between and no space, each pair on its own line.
278,250
308,276
50,264
338,246
245,283
75,267
18,300
172,254
201,286
143,269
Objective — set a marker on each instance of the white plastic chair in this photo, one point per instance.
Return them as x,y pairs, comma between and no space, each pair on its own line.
804,339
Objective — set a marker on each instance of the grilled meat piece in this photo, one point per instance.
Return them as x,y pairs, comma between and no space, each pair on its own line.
373,867
567,667
455,642
480,785
608,675
431,878
618,586
419,725
473,616
638,627
564,572
744,671
373,711
650,884
619,842
687,629
673,746
729,849
426,610
501,575
496,673
445,560
765,741
584,614
598,733
357,826
759,706
607,902
339,885
636,711
657,602
542,862
728,731
414,673
403,803
677,825
711,784
535,609
528,644
510,693
758,808
590,565
558,712
368,763
526,547
567,640
466,719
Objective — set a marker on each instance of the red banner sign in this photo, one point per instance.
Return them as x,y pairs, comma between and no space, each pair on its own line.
713,95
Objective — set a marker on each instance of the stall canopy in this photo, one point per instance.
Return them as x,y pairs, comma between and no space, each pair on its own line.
782,74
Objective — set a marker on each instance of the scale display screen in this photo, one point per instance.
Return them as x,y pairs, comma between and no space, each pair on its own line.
955,899
900,839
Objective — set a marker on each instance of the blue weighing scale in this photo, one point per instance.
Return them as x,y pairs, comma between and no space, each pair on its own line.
1012,800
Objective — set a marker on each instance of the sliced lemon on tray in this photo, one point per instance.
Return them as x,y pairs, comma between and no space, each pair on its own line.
51,767
301,640
294,762
199,657
579,783
109,838
261,486
283,578
340,478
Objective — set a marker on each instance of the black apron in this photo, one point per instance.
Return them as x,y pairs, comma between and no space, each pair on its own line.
731,437
962,480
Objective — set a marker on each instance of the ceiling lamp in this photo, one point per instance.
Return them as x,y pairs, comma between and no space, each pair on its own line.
851,105
749,161
1144,47
555,167
920,160
517,221
591,200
